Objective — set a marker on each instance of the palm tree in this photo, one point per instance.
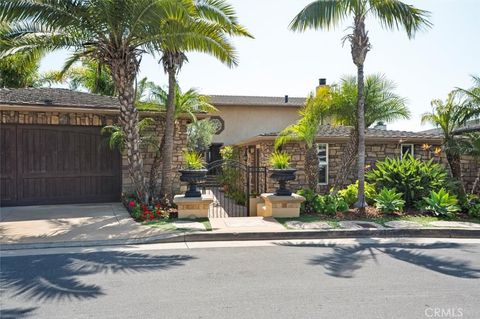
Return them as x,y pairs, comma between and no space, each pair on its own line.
393,14
215,20
471,146
19,70
381,105
449,116
90,75
189,103
152,97
312,114
472,95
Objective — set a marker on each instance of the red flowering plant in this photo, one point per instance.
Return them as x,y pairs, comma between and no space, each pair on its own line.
147,212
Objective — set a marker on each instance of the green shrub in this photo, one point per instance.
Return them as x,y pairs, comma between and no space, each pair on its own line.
326,204
280,160
472,206
413,178
350,193
441,203
193,160
309,206
227,152
389,201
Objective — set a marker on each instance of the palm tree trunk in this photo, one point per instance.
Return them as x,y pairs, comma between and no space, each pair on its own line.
475,183
360,46
361,203
347,163
166,188
155,170
456,169
311,167
123,73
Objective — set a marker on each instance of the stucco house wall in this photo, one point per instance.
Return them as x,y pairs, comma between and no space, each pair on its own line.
247,116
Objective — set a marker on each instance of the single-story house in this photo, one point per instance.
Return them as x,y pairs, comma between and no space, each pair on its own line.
52,150
332,142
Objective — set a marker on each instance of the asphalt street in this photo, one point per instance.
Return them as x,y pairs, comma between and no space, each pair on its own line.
397,278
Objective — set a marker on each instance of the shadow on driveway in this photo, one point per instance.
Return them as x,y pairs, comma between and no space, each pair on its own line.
58,277
344,260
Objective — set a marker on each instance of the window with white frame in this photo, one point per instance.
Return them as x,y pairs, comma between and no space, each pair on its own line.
322,154
406,149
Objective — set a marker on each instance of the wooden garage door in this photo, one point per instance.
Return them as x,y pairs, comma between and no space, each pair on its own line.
44,164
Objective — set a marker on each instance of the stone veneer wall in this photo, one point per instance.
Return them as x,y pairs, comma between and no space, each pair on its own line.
95,119
375,151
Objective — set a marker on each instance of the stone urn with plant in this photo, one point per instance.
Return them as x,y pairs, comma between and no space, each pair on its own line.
193,173
281,172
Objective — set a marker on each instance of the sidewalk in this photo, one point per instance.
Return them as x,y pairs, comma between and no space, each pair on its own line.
70,223
110,224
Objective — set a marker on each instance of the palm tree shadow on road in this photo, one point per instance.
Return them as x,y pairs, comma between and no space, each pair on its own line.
58,277
344,260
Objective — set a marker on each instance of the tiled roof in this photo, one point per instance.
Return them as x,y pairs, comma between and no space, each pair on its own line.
256,100
470,126
56,97
344,131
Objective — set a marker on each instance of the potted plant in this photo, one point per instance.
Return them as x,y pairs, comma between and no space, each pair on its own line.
281,172
193,173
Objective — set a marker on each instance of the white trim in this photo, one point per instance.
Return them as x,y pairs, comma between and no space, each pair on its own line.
412,146
326,163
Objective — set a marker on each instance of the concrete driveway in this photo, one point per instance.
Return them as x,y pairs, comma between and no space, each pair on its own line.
75,222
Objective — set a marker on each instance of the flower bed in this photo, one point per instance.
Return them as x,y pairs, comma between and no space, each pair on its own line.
151,212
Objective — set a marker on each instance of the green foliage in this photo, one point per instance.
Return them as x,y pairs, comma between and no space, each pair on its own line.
200,135
382,104
350,193
238,196
89,75
312,114
472,206
315,203
413,178
441,203
389,201
193,160
280,160
227,152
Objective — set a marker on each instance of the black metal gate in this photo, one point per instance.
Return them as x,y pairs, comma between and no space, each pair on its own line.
233,185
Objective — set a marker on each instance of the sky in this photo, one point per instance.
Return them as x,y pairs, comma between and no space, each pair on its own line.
280,62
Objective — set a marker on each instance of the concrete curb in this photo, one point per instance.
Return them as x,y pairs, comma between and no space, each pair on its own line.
282,235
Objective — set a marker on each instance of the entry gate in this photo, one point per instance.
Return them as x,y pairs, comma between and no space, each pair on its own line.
233,186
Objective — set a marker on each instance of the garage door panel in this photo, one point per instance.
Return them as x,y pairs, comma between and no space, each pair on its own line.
8,163
62,164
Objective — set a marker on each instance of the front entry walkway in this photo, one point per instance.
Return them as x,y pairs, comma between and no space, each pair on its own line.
63,223
245,224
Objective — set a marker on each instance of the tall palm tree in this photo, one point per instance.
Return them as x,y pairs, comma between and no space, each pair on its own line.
215,20
382,104
312,114
449,115
392,14
471,146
